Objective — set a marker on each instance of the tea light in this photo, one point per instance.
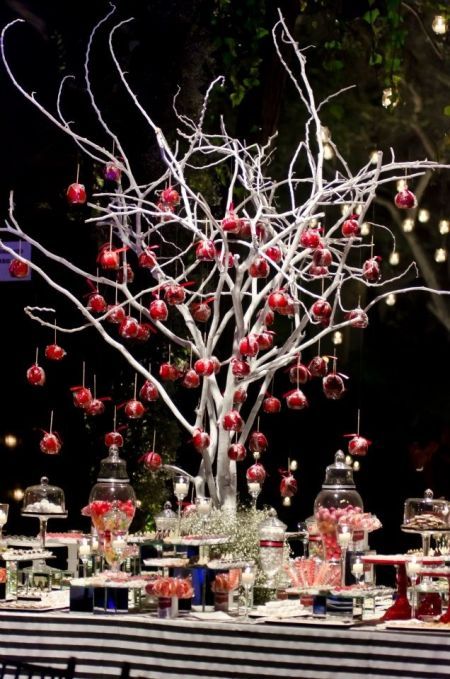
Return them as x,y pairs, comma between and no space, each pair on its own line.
84,548
247,577
181,488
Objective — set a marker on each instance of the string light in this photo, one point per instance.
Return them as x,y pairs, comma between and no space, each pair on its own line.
408,225
391,299
286,502
328,152
18,494
374,157
394,258
444,226
337,337
345,209
356,466
389,98
357,210
348,459
439,25
440,255
401,184
325,134
10,440
423,216
313,222
365,229
293,466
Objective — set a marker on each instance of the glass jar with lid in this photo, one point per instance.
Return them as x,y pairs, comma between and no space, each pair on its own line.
44,501
112,501
272,533
337,502
426,516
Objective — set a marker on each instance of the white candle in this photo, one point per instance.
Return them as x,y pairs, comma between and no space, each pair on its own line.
204,507
181,488
84,549
254,486
3,517
344,539
247,577
358,568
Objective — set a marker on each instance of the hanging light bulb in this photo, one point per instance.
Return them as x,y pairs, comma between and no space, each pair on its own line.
439,25
444,226
328,152
286,502
293,466
394,258
313,222
440,255
374,157
337,337
408,225
402,184
357,210
423,216
10,440
348,459
391,299
345,209
18,494
325,134
356,466
365,229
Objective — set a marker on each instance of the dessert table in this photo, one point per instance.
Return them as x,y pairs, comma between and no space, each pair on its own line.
161,649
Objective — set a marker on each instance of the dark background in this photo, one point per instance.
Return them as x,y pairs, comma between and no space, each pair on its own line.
398,366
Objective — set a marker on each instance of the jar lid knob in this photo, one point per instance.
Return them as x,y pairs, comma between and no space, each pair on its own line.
44,481
339,458
272,512
428,495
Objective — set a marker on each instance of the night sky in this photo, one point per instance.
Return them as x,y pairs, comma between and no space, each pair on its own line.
398,367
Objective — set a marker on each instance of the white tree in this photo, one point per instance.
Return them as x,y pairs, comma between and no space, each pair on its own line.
227,277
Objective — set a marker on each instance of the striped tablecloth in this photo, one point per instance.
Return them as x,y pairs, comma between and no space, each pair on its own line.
179,649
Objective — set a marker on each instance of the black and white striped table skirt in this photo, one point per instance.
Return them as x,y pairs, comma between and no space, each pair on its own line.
180,649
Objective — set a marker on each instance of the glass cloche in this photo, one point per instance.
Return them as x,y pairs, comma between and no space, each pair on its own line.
44,500
426,513
112,501
166,521
337,502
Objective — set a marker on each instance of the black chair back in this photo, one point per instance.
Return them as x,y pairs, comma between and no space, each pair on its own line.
16,669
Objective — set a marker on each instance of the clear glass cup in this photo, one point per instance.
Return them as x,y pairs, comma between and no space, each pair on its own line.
357,570
254,489
180,490
248,576
204,506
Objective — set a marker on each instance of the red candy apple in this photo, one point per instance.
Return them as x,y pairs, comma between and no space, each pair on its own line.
82,396
53,352
296,400
151,460
256,473
18,269
271,405
350,227
191,380
405,199
237,452
134,409
201,440
232,421
114,438
258,442
76,194
148,391
36,375
50,443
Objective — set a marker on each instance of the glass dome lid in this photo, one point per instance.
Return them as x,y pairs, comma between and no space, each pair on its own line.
113,468
43,499
339,474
